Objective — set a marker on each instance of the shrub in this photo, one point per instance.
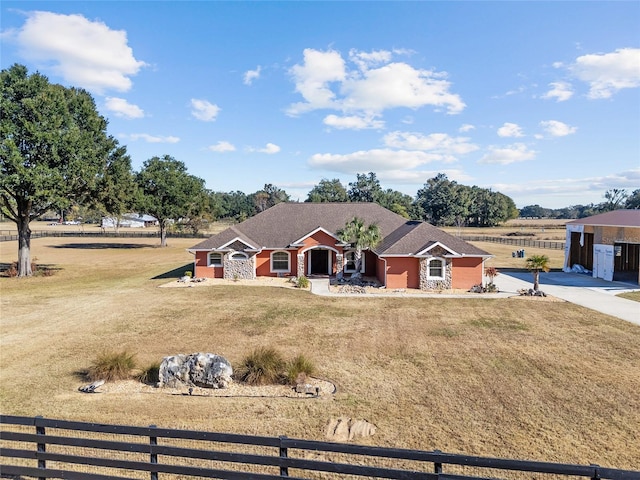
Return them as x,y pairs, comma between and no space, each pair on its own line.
188,273
151,374
261,367
299,368
302,282
112,366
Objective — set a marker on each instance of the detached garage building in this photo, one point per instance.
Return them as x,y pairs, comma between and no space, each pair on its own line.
608,244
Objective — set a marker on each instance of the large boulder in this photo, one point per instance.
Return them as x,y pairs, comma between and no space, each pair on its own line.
197,369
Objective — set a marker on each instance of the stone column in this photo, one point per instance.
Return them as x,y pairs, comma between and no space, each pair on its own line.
300,272
423,274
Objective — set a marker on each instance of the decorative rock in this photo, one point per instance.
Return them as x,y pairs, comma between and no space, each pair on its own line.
346,429
91,388
197,369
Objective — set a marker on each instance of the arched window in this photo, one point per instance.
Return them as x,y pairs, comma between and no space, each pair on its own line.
436,268
238,256
215,259
280,262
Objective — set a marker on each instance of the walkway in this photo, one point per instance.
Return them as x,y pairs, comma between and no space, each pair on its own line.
581,289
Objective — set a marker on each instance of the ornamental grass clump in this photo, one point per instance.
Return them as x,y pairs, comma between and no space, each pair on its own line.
150,374
110,366
262,366
298,369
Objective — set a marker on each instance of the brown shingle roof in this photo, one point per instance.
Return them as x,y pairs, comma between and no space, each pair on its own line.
615,218
285,223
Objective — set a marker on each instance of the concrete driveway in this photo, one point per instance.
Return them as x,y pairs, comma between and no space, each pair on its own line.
578,288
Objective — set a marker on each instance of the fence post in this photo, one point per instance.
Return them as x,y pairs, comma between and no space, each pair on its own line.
284,471
41,447
153,440
596,475
437,466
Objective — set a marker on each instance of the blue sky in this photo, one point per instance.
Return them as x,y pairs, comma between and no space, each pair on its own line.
537,100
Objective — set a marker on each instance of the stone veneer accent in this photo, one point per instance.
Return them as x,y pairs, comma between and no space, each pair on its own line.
339,263
300,270
239,269
431,284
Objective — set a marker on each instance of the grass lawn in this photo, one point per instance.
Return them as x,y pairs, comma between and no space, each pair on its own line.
520,378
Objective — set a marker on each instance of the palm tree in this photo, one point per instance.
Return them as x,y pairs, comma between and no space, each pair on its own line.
537,263
361,237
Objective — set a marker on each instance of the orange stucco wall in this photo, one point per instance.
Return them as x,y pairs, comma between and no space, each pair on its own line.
403,272
263,263
202,270
319,238
466,272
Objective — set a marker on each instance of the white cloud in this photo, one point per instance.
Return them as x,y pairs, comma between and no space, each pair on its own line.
251,75
366,60
352,122
221,147
376,160
374,85
466,128
561,91
510,130
204,110
608,73
557,129
269,149
122,108
151,138
562,192
518,152
85,53
312,79
445,146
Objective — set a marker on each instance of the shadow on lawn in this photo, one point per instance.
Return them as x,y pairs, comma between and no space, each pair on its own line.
175,273
102,246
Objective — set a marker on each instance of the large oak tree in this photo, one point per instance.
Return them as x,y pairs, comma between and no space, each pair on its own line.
53,149
169,193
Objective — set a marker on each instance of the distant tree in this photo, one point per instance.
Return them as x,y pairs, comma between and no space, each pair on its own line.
489,209
366,188
395,201
633,200
168,192
269,196
534,211
116,191
442,201
328,191
537,264
53,149
614,199
361,237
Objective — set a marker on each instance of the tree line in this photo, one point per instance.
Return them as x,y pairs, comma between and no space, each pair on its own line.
55,154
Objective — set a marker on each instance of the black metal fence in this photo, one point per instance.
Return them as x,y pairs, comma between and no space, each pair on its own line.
520,242
48,448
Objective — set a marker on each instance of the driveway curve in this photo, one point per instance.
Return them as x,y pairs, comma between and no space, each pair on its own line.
581,289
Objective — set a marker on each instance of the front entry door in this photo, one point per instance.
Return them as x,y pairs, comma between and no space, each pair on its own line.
319,262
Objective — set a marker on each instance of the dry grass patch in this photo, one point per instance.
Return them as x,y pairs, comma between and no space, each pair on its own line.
493,377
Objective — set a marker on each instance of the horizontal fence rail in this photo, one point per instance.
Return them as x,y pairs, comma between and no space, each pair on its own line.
49,448
520,242
11,235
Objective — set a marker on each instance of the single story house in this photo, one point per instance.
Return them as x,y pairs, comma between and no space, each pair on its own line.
296,239
607,244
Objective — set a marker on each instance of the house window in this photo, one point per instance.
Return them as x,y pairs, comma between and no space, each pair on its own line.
239,256
350,261
435,268
215,259
280,262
